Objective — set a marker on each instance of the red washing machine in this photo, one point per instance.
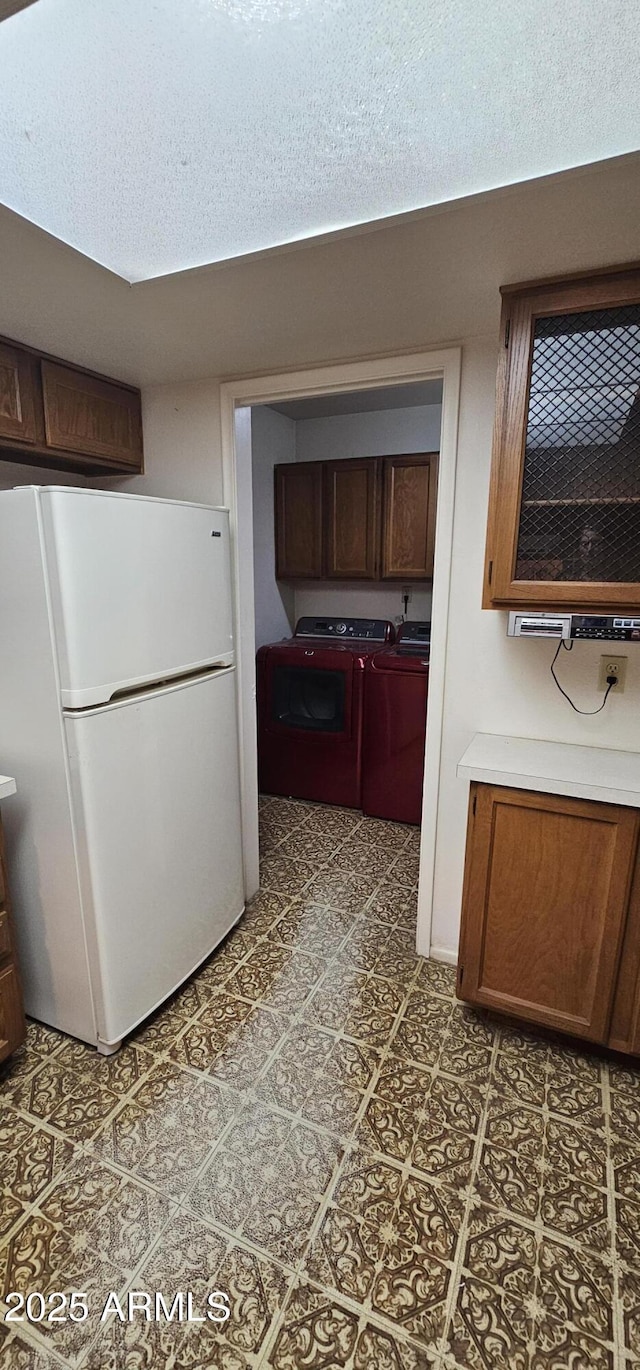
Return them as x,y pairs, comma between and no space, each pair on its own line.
310,709
395,717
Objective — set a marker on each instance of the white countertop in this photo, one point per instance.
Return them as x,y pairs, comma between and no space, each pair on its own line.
599,773
7,786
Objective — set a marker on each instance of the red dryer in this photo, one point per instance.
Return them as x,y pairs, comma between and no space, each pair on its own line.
310,709
395,717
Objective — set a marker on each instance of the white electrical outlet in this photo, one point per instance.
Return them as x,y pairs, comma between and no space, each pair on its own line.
613,665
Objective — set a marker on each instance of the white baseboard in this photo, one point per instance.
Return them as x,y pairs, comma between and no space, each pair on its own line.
450,958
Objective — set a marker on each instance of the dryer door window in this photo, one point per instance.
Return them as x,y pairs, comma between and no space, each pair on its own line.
312,699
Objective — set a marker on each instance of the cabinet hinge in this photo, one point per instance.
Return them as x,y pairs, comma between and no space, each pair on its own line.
460,974
490,572
473,806
507,332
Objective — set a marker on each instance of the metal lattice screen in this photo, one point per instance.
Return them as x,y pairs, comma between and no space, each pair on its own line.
580,511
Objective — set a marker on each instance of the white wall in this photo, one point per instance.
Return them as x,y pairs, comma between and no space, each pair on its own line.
360,599
499,684
14,473
181,430
273,440
381,433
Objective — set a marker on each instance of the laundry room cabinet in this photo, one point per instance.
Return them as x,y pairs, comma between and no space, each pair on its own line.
298,511
56,415
369,518
564,512
352,519
551,912
409,517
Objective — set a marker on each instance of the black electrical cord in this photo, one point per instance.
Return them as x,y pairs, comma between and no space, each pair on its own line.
610,683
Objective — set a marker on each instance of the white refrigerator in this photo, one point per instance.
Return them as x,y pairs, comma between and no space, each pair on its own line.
118,720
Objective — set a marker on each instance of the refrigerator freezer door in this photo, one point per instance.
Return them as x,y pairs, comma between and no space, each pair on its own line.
155,793
140,590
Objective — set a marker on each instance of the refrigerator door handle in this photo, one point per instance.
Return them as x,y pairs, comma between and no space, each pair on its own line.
150,689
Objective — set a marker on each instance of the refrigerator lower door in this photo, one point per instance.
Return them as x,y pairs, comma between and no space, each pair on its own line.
156,801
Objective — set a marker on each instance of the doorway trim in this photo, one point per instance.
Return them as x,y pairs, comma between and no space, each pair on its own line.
239,395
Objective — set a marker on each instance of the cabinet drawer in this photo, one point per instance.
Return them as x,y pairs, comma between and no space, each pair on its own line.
5,934
12,1025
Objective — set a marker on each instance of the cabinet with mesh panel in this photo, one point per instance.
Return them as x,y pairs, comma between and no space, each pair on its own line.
564,516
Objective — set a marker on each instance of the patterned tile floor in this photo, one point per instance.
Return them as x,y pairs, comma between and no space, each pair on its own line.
379,1178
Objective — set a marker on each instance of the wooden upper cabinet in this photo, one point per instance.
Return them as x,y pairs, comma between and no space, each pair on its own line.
56,415
298,513
352,518
408,519
564,515
96,417
545,903
17,395
361,518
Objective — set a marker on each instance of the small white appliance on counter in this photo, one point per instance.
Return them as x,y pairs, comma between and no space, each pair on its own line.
118,720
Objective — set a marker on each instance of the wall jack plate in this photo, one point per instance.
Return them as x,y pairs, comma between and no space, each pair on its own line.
613,665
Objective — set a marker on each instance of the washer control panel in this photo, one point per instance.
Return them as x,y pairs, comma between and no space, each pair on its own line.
359,629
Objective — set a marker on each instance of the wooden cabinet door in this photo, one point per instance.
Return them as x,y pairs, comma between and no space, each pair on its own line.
12,1026
17,398
564,510
94,417
409,516
544,906
298,512
624,1034
352,519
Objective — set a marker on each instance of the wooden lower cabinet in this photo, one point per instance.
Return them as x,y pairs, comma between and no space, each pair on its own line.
12,1021
624,1033
551,913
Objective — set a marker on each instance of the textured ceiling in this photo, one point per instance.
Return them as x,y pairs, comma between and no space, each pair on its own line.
441,271
154,135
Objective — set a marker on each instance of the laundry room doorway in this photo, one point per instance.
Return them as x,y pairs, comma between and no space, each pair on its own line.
351,426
